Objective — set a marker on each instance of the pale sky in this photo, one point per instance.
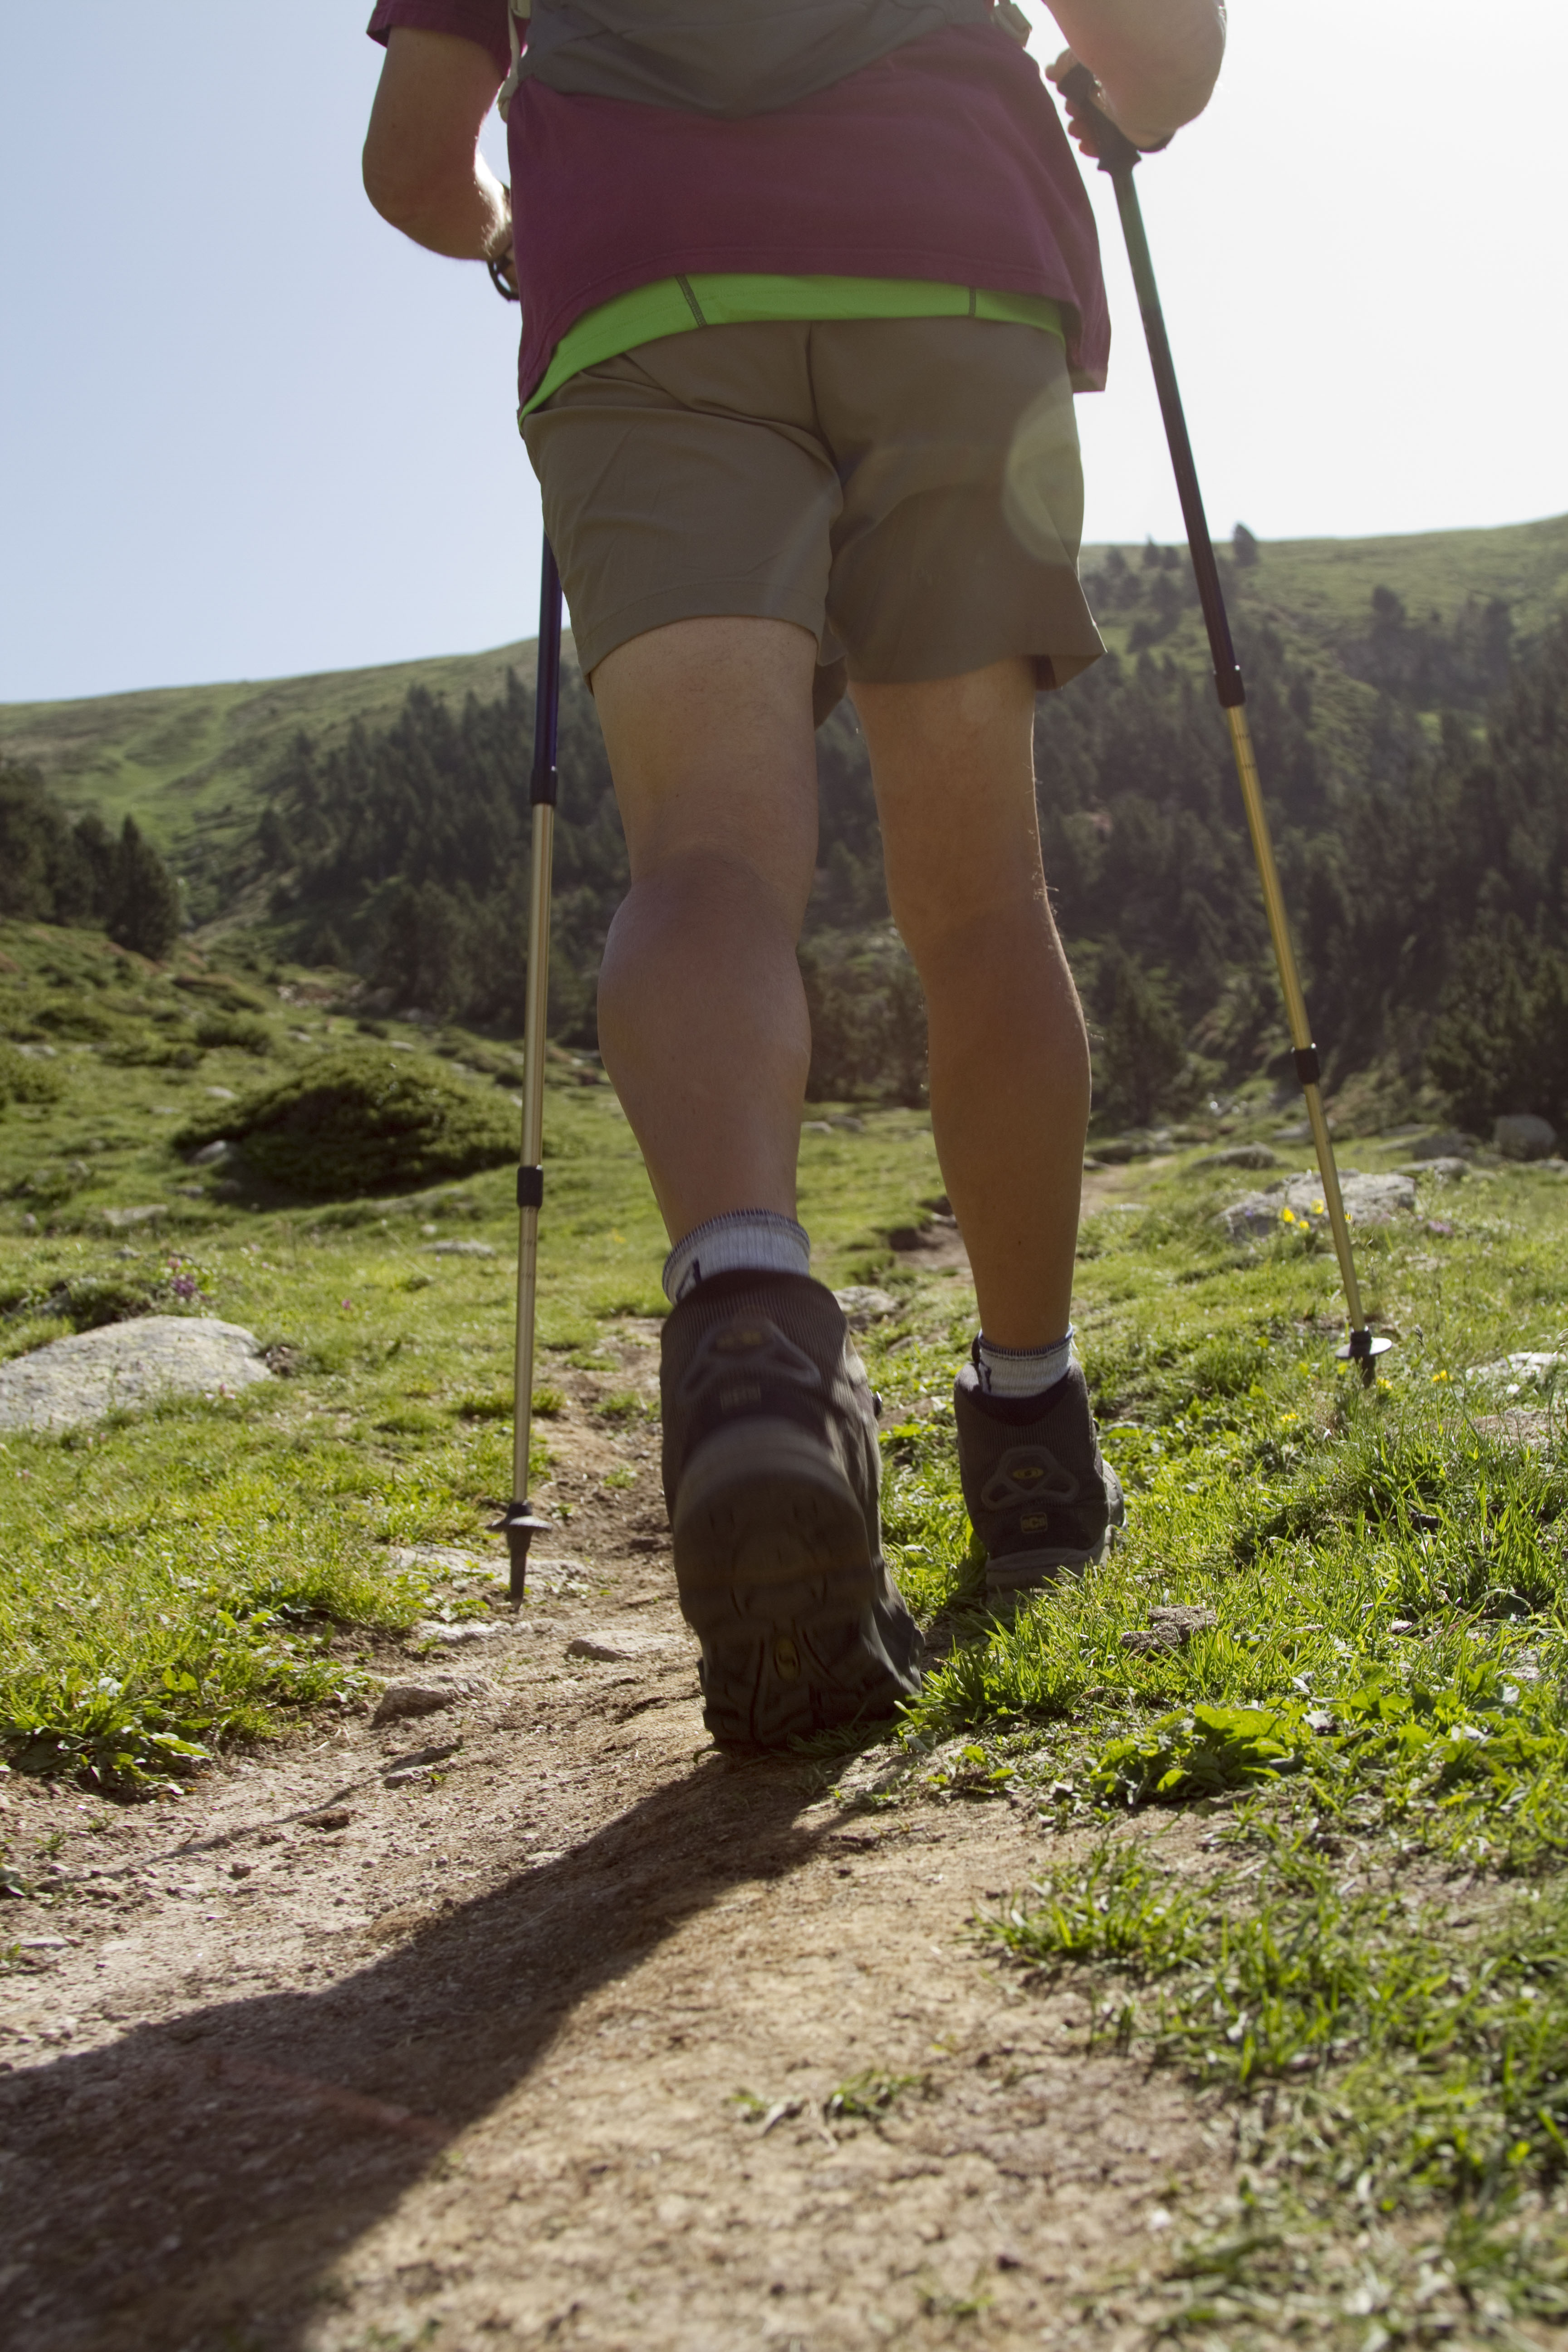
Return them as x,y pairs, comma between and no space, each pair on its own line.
249,431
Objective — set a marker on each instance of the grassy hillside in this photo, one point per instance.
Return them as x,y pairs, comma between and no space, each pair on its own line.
187,762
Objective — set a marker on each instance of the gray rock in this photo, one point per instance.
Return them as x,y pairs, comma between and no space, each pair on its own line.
461,1249
446,1557
619,1644
1168,1629
864,1306
120,1221
400,1700
1449,1144
213,1155
1523,1137
1447,1171
1242,1155
127,1365
465,1635
1369,1201
1299,1131
221,1094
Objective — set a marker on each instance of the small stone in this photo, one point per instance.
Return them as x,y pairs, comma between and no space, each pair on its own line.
1184,1617
816,1126
331,1817
1168,1629
1523,1137
119,1221
617,1647
1241,1155
455,1637
443,1558
864,1306
403,1921
1445,1169
221,1094
400,1700
213,1155
461,1249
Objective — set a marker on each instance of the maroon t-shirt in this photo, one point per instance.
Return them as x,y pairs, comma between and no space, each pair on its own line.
946,161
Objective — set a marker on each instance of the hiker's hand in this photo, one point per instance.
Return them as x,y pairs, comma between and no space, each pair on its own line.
501,255
1156,62
1081,122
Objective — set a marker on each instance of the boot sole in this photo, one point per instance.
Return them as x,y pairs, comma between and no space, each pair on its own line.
1017,1575
777,1580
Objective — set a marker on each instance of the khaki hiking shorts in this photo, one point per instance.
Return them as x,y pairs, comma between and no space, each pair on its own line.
907,489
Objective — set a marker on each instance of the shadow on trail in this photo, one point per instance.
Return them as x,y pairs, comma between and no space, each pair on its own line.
189,2185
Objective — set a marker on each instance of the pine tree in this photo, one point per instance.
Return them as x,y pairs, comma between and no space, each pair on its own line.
144,913
1142,1055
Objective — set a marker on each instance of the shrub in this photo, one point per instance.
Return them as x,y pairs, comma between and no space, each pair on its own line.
364,1120
24,1080
242,1030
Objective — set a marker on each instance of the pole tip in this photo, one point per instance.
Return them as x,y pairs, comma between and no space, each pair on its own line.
519,1523
1364,1348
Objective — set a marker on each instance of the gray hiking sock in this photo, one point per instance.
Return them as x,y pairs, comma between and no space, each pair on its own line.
1021,1372
751,1241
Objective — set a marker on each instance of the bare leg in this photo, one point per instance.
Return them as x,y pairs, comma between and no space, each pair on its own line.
953,763
702,1017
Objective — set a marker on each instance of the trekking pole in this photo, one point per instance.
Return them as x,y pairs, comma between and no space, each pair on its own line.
519,1523
1118,156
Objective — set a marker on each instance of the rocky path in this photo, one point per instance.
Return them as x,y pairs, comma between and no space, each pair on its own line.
529,2019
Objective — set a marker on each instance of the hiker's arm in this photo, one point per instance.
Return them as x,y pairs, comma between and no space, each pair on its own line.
422,169
1156,60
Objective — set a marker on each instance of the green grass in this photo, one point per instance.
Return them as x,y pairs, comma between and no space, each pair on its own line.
1373,1973
206,1572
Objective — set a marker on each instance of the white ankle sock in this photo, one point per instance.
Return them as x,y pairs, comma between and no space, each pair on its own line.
1022,1372
758,1240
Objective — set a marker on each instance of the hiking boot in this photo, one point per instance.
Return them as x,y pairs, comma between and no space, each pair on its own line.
773,1477
1041,1498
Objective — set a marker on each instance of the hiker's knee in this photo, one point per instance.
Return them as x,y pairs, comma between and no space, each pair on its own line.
708,725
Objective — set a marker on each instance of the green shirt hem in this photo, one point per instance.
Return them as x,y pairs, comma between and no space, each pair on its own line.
676,306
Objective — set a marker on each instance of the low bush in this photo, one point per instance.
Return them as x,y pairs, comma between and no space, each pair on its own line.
362,1120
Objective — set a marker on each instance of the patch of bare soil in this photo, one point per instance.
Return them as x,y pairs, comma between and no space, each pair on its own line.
521,2022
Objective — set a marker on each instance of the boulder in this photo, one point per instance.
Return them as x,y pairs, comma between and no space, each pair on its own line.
1446,1146
125,1366
1369,1201
1520,1135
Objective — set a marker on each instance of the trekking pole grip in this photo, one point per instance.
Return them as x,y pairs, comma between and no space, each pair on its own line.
1112,148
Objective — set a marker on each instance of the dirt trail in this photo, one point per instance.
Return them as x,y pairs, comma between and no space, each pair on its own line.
460,2061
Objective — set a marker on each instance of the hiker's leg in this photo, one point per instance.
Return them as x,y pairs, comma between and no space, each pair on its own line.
952,762
702,1018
